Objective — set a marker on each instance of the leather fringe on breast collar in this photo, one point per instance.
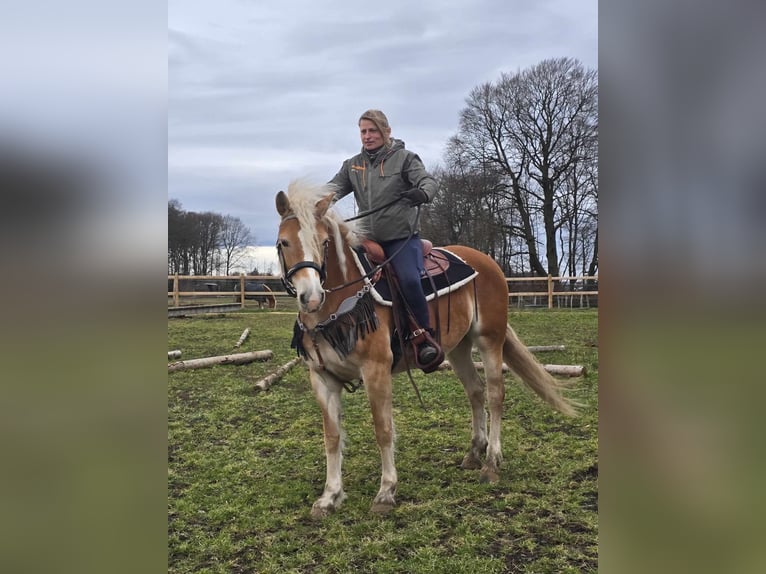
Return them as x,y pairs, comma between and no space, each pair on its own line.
354,319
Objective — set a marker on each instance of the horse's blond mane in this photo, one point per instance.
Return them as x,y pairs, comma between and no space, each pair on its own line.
303,197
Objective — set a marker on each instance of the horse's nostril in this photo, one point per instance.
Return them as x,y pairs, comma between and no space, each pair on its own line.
304,299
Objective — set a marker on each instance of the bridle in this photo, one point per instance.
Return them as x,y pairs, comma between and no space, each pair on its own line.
287,274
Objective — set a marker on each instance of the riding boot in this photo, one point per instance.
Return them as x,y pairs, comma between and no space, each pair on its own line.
428,353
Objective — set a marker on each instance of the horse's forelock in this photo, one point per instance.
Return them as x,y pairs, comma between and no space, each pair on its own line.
303,198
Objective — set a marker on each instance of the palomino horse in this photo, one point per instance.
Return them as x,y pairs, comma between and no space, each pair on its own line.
315,247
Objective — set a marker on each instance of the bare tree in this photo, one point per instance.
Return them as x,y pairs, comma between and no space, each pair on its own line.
537,128
207,232
178,262
234,237
203,243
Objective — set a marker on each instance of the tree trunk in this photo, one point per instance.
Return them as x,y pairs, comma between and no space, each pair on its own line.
235,359
267,381
539,348
560,370
242,338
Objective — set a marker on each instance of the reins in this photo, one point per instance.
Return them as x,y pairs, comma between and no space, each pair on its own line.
288,273
371,211
380,266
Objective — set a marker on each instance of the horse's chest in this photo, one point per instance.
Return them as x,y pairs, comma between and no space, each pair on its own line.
323,357
335,343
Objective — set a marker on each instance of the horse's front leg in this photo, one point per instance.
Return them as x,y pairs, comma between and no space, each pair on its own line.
327,391
377,381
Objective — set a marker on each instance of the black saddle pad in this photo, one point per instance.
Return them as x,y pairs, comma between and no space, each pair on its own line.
458,274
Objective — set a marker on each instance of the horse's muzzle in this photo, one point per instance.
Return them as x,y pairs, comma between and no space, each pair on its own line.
311,302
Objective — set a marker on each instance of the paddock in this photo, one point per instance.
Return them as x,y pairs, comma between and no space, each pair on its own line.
244,464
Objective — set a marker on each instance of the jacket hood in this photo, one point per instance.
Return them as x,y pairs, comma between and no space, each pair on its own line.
396,144
385,151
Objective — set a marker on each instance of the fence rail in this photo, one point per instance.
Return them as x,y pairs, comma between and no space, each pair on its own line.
573,285
551,288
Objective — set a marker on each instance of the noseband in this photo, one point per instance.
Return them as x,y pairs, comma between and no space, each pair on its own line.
288,273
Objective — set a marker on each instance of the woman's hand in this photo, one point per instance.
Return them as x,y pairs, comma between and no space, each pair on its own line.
415,196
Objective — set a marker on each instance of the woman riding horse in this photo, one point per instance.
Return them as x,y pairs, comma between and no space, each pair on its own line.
381,173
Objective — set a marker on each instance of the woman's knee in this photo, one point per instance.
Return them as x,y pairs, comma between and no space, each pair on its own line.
410,282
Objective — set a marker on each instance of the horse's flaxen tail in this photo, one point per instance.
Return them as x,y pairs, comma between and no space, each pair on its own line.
524,364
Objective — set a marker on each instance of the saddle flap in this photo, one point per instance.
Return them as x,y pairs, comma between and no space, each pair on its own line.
374,251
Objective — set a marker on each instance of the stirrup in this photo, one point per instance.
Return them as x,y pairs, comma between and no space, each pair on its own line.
427,354
419,338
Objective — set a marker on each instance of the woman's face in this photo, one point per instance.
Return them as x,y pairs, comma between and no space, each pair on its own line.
370,134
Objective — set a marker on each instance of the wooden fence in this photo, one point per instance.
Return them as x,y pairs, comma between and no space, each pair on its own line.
570,289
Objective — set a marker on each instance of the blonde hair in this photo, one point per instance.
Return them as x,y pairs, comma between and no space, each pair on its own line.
381,122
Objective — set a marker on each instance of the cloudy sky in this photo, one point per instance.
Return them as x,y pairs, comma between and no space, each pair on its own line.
261,93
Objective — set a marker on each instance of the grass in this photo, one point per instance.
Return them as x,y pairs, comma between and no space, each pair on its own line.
245,467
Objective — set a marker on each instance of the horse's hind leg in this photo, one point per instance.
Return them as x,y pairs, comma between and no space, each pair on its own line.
462,363
492,356
327,391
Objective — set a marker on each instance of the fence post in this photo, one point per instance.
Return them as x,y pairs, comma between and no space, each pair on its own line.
176,297
550,291
242,290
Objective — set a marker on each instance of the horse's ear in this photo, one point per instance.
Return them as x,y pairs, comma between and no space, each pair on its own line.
283,204
323,205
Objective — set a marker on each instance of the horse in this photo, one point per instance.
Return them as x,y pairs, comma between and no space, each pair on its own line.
315,249
265,296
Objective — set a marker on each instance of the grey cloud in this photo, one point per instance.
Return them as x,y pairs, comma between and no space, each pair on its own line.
267,82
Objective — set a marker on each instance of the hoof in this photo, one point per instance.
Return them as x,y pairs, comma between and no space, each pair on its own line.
470,462
318,513
384,502
324,507
382,507
488,475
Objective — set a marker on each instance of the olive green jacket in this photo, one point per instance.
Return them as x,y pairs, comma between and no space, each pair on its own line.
377,182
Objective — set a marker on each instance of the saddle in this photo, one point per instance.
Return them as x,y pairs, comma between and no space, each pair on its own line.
443,272
434,262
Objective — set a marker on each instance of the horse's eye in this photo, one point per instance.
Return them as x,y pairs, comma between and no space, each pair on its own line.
284,243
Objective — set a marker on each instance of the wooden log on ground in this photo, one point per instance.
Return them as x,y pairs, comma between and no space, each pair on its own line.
561,370
566,370
541,348
234,359
242,338
267,381
174,354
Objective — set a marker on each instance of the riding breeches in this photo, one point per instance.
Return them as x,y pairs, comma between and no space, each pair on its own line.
408,266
